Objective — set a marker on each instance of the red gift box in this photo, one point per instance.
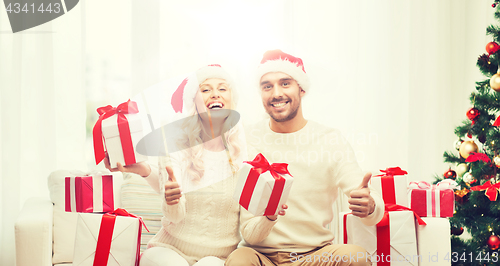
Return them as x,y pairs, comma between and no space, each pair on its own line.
433,200
89,193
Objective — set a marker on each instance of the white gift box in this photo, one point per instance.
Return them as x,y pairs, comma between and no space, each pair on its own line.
434,242
403,241
262,192
391,187
112,139
124,244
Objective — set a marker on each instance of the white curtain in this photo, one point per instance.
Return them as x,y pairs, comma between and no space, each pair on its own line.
393,75
42,112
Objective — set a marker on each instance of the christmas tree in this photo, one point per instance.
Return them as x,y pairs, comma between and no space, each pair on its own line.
477,166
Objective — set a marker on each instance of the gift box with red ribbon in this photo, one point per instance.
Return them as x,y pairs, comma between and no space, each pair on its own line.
434,242
393,241
262,187
110,239
92,192
433,200
392,185
121,129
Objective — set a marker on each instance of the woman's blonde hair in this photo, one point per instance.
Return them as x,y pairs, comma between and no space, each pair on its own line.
191,141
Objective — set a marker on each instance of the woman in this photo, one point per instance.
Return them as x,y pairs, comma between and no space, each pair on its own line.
199,227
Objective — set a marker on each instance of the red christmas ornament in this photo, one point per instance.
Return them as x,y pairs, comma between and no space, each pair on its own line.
450,174
457,231
472,114
469,135
493,5
493,242
492,47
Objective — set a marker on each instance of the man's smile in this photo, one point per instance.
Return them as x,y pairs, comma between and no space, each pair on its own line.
279,105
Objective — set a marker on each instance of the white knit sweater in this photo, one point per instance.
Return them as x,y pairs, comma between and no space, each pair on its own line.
205,222
320,160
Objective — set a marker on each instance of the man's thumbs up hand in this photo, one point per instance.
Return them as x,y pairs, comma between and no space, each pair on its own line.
366,181
360,202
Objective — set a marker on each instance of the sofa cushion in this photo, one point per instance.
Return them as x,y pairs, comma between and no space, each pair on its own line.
64,229
139,198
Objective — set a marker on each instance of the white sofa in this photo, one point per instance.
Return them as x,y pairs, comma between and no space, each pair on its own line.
45,233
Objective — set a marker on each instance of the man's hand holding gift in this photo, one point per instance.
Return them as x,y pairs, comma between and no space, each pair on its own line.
281,212
360,202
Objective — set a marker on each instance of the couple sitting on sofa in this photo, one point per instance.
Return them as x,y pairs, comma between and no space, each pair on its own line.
205,226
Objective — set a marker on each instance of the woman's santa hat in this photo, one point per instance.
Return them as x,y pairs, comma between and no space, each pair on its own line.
278,61
183,97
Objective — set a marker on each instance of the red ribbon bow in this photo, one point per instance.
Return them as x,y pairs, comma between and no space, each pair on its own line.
497,122
491,190
128,107
392,171
477,156
396,207
260,166
106,235
123,212
388,183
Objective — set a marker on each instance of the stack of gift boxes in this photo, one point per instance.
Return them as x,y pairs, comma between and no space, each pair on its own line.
414,230
105,233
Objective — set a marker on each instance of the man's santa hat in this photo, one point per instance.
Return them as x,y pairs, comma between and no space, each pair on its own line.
278,61
183,97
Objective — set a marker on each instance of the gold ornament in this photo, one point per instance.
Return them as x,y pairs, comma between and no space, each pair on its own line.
462,193
467,147
462,169
495,82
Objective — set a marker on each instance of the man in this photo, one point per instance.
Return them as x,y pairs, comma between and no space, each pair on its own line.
320,160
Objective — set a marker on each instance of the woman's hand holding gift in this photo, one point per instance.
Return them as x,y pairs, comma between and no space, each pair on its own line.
141,168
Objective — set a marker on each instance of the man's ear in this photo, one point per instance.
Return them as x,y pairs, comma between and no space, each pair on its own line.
302,92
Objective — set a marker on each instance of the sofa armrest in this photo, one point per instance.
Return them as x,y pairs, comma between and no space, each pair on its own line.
33,231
